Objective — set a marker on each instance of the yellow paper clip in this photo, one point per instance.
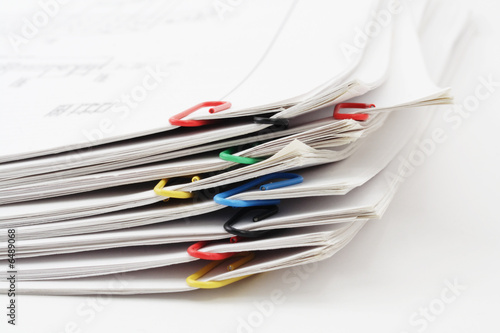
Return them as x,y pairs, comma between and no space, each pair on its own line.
173,194
192,280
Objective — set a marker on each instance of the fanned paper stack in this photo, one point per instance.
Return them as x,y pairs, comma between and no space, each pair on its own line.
212,147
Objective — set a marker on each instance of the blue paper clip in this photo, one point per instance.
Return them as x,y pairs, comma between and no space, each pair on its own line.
291,179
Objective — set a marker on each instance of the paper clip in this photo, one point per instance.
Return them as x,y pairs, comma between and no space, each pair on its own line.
173,194
227,155
192,280
269,211
279,123
214,107
291,179
354,116
193,251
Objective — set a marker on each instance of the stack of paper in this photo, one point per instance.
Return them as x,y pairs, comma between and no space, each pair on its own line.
144,156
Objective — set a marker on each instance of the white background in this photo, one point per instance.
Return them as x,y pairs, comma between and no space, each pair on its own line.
442,226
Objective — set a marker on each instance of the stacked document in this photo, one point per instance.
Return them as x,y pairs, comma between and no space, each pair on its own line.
211,145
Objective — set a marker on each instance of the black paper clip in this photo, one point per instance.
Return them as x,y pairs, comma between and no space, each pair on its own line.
229,225
278,123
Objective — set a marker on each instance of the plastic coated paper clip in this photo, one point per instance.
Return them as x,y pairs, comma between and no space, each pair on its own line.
268,211
192,280
227,155
278,123
194,251
291,179
173,194
354,116
214,107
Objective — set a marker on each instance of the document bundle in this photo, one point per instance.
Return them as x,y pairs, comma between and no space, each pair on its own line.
211,146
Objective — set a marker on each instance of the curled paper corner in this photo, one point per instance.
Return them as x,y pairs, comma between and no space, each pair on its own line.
296,147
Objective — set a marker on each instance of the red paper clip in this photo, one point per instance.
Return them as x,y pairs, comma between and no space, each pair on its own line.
193,252
214,107
354,116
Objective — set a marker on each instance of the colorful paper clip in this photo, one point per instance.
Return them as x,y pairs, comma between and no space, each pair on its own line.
354,116
173,194
269,211
216,106
278,123
192,280
194,251
227,155
291,179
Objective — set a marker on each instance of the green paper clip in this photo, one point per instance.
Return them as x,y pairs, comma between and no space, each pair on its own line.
227,155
